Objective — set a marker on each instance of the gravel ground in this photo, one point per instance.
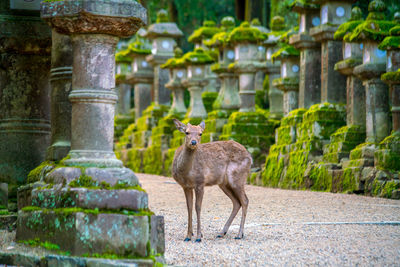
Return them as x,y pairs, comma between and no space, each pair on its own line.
278,230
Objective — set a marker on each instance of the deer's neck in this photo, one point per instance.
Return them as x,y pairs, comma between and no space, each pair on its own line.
185,160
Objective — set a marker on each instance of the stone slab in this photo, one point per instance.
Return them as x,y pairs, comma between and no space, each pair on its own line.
82,233
25,259
90,198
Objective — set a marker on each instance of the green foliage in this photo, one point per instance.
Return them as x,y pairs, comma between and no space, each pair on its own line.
162,16
198,57
390,42
123,56
284,51
139,47
282,8
391,76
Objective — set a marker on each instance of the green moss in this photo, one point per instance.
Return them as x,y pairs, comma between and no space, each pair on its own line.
284,38
138,47
320,177
245,33
305,4
349,181
277,24
294,177
36,242
4,212
390,42
152,160
208,100
96,211
346,28
198,57
205,32
391,76
123,56
162,16
375,27
176,61
38,173
273,169
285,51
288,81
384,188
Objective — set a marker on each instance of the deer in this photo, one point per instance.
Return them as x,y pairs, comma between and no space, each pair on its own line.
223,163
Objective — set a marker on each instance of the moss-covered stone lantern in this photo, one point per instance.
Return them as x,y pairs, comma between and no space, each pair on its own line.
163,35
288,83
141,75
351,135
369,33
275,96
123,107
333,83
200,35
260,75
228,97
310,53
388,155
248,126
91,203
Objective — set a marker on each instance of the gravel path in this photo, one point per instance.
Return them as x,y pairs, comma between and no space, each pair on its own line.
283,227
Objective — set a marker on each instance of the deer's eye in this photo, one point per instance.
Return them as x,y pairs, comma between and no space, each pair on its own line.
200,134
186,133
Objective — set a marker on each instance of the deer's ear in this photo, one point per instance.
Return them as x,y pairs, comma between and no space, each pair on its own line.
202,125
179,125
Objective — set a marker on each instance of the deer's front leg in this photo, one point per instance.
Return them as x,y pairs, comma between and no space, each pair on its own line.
189,204
199,190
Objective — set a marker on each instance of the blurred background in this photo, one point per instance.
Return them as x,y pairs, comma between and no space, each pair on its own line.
190,14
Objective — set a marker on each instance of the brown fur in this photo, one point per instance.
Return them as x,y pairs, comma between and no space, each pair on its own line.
223,163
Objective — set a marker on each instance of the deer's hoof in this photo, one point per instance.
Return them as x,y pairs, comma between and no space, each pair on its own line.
198,240
220,236
239,237
187,239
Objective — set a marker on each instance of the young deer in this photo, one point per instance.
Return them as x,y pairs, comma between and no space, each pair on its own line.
223,163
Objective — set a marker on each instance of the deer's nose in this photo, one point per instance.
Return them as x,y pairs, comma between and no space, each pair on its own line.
193,143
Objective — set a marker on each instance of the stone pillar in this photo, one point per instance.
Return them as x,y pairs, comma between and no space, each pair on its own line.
61,85
275,96
24,94
178,74
163,35
289,81
333,83
310,54
260,75
92,168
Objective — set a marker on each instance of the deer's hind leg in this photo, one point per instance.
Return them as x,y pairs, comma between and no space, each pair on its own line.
236,206
244,202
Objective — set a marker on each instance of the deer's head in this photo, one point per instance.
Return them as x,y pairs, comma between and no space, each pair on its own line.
193,133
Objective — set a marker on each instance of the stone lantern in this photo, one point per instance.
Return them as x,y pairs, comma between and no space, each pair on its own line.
333,83
123,107
275,96
204,33
310,53
25,97
249,127
140,76
260,75
177,73
288,83
369,33
91,204
388,155
163,35
348,137
196,64
228,97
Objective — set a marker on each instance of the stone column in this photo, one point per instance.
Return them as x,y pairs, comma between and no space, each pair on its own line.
61,85
333,83
24,94
123,89
163,35
177,75
310,54
195,83
275,96
92,168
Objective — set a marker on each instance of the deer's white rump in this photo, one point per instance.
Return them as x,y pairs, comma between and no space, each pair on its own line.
223,163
